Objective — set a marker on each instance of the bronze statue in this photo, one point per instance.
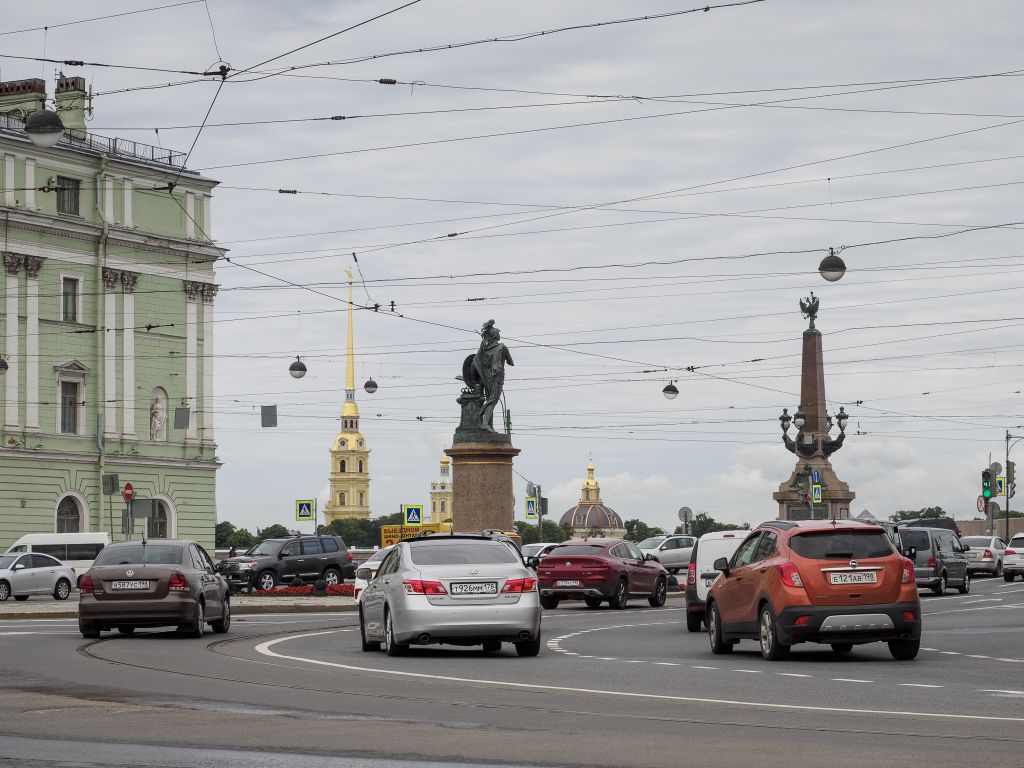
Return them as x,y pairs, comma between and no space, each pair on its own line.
489,366
809,309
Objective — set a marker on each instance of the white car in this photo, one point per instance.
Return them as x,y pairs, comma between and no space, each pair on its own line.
537,550
672,551
366,571
701,573
1013,565
34,574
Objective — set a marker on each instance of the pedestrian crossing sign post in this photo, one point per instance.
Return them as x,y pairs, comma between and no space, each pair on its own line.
305,510
531,508
1000,486
816,493
412,515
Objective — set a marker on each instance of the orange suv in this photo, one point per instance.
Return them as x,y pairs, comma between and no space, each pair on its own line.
835,582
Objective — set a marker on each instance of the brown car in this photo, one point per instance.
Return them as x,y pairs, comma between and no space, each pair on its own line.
156,583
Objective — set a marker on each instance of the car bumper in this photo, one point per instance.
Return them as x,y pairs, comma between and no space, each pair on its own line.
465,623
238,579
600,589
983,566
693,602
850,624
140,613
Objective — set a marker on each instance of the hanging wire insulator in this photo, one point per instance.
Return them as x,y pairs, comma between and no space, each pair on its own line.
388,81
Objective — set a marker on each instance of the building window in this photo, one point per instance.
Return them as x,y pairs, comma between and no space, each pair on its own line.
433,507
68,194
442,506
69,517
69,404
362,498
341,498
156,526
342,465
360,466
69,299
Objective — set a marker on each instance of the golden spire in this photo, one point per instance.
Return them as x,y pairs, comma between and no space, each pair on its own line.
350,359
591,491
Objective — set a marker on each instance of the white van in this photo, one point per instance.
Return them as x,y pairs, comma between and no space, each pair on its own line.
77,550
702,574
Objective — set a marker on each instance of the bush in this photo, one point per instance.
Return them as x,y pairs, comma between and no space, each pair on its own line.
306,590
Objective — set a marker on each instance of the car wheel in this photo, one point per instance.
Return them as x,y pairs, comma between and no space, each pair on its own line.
940,588
1007,577
546,601
904,650
768,634
592,602
367,645
89,630
657,598
63,590
529,647
197,626
621,596
842,647
223,624
126,629
266,580
693,622
714,622
332,577
392,648
964,588
21,598
492,646
5,591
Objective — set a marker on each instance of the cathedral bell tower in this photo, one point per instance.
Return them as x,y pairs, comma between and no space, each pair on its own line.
350,457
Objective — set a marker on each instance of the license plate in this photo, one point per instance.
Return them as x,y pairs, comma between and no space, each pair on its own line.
867,577
474,588
131,585
568,583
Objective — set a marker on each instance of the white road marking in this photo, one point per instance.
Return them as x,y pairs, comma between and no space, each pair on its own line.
919,685
984,600
849,680
791,674
694,666
265,650
667,664
751,671
996,690
977,656
951,653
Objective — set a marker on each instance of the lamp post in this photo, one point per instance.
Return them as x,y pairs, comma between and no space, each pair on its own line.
1009,483
808,445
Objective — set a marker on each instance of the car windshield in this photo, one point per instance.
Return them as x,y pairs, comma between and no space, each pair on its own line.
652,543
977,541
912,538
461,552
576,549
140,554
529,550
6,561
264,548
824,545
1017,542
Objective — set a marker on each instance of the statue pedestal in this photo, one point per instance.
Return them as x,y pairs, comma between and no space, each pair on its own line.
482,491
835,494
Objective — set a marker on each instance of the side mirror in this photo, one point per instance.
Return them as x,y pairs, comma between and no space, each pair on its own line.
722,564
532,562
965,547
649,556
18,567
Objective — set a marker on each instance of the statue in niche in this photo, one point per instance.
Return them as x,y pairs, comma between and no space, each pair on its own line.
158,418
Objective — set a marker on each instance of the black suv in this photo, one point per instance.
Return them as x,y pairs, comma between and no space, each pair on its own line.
280,561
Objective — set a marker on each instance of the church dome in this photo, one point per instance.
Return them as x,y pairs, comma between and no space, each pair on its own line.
590,511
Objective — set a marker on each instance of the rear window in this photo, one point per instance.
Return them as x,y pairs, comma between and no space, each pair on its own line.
83,551
575,550
836,545
140,554
1017,542
977,541
462,552
330,545
911,538
652,543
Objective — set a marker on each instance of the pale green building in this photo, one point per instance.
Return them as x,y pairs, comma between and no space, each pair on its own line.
106,328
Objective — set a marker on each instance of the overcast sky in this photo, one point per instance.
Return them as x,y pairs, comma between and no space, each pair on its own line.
731,149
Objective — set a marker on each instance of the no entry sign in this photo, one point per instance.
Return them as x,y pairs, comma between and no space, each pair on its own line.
128,493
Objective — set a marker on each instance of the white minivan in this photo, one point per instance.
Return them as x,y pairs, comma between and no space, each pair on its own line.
77,550
701,573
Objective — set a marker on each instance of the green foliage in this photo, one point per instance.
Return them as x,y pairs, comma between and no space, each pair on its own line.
241,540
549,532
913,514
275,531
704,523
594,533
361,533
638,530
222,535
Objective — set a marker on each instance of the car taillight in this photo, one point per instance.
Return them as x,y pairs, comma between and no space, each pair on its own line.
177,582
1010,552
790,575
85,584
932,562
350,558
986,555
691,575
519,585
908,571
417,587
802,621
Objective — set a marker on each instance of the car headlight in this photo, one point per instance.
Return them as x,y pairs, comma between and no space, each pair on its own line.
247,565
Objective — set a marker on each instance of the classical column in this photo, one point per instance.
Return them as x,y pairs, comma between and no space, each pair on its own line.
32,266
128,280
108,198
192,291
207,221
111,277
209,292
30,183
9,179
13,263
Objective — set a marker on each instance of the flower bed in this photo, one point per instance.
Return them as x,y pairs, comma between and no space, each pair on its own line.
333,590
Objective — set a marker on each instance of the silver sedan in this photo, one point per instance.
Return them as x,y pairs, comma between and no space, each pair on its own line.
985,555
457,590
34,574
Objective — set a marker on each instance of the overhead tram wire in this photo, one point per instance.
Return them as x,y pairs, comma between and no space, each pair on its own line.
101,18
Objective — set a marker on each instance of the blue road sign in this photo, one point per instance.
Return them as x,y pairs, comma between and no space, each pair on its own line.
815,475
531,508
304,509
816,494
413,514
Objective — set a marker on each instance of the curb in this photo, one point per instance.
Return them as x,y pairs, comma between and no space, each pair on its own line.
239,610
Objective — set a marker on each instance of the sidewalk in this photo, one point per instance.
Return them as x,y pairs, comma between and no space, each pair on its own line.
45,607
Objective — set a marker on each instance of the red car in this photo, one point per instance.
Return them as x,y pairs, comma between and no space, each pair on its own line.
595,570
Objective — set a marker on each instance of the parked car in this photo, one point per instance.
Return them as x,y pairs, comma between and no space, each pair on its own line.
75,550
673,552
1013,562
367,570
457,590
278,561
595,570
840,583
940,560
701,573
26,575
155,583
986,554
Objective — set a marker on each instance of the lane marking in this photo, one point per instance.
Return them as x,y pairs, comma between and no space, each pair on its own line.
996,690
695,666
951,653
984,600
919,685
849,680
751,671
265,650
791,674
667,664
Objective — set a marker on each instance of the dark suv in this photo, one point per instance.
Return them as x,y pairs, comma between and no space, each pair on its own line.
279,561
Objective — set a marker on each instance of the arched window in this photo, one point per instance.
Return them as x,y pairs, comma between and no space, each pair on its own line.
433,507
579,518
341,496
156,526
360,465
69,516
342,468
442,505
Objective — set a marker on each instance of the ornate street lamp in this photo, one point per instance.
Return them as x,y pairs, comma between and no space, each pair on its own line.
671,391
832,268
297,369
809,445
44,128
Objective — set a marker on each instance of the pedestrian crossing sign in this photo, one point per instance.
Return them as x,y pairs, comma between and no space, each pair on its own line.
816,493
1000,486
412,514
304,509
531,508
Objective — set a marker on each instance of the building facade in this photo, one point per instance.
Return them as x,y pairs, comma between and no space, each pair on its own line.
591,512
441,494
106,328
350,456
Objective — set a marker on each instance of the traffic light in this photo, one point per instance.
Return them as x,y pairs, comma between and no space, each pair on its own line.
986,484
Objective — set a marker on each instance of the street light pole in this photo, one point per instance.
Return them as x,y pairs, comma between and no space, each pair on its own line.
1006,484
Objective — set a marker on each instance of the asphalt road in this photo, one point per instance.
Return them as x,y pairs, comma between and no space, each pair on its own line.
610,688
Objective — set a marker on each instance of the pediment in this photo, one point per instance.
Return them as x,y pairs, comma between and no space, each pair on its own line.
73,367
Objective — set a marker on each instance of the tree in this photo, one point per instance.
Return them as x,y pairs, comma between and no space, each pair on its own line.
361,533
241,539
275,531
913,514
549,532
638,530
222,534
704,523
594,533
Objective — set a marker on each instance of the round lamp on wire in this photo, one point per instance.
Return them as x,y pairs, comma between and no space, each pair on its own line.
44,128
370,386
671,391
832,267
297,369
